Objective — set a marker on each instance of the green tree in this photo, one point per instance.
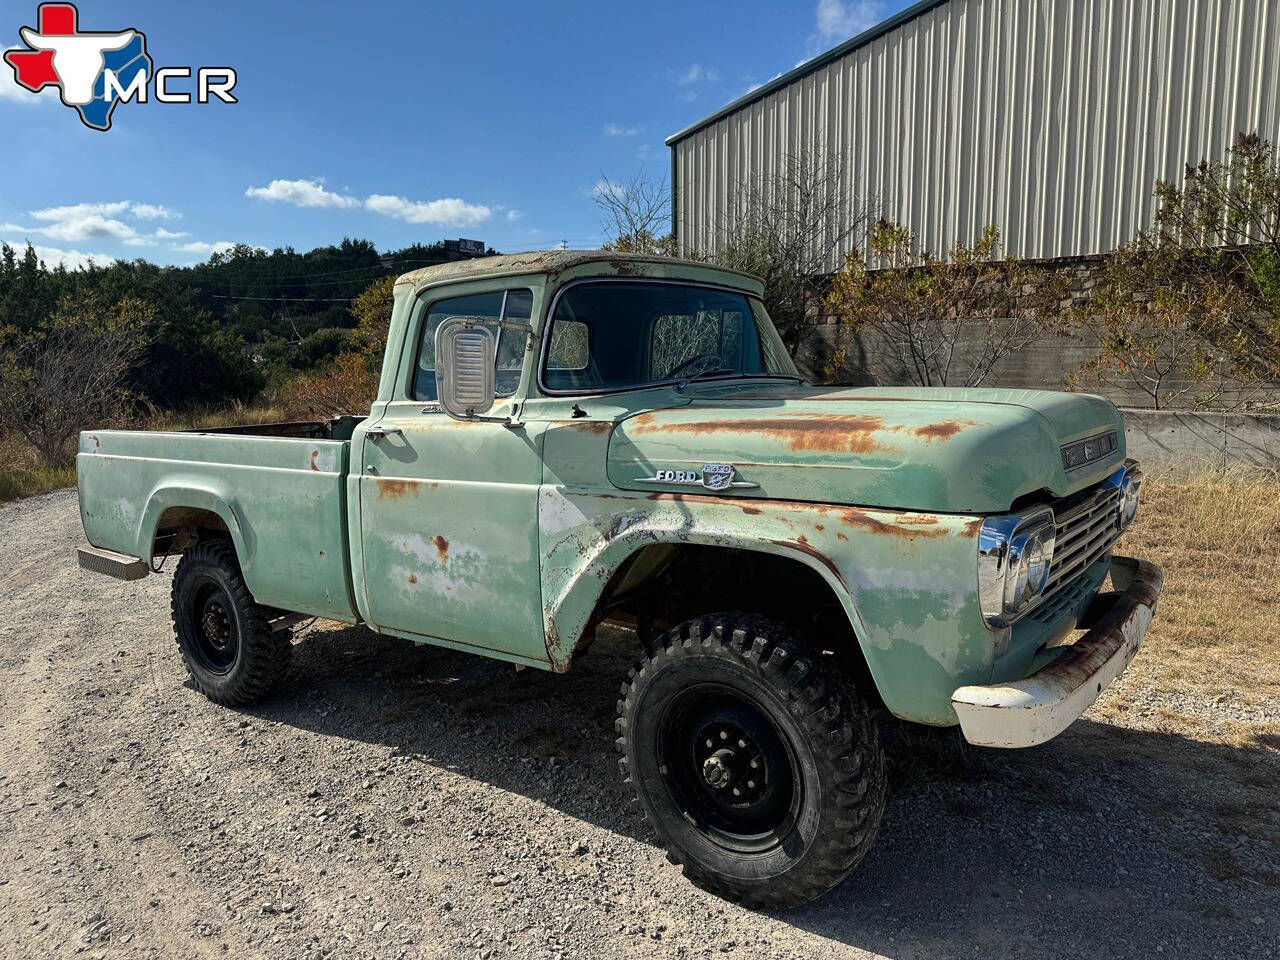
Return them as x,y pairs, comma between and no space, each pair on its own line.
942,321
1188,311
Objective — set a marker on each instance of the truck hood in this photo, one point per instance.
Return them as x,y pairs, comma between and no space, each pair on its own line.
942,450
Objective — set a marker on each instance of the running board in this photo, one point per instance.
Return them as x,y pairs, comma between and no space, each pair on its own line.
118,565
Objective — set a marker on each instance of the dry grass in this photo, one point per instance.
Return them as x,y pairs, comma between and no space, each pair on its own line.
1217,537
22,474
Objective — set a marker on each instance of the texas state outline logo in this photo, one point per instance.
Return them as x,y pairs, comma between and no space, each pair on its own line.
96,71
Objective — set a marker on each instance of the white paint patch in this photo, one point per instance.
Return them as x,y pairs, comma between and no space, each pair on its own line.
323,460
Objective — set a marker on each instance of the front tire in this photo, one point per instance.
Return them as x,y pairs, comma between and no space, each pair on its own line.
761,773
227,644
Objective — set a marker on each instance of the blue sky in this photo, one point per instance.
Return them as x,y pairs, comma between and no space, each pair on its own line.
395,122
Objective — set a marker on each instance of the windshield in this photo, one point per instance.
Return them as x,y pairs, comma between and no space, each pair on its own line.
618,335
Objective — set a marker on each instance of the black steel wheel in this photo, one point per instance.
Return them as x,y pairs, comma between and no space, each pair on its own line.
226,640
761,772
217,638
726,765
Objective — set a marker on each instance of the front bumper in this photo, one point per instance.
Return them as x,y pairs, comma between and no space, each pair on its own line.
1024,713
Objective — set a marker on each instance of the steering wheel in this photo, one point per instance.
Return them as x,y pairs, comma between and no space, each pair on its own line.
714,360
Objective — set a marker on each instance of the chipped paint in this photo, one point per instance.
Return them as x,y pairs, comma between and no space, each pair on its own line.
389,489
911,453
944,430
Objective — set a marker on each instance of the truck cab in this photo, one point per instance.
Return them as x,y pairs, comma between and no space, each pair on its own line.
566,439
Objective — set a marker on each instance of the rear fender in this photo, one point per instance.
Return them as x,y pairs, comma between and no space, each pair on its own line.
196,498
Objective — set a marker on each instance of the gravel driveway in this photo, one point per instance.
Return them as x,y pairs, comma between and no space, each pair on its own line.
398,801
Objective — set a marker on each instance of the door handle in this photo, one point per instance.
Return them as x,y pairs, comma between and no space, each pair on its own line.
376,433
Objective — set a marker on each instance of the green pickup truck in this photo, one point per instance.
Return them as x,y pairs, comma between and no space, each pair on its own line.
566,439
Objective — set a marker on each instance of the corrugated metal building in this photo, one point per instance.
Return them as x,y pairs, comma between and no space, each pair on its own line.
1051,119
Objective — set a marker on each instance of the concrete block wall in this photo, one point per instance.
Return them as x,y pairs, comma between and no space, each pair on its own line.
1192,440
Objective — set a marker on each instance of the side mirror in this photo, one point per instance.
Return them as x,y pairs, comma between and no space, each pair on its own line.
465,355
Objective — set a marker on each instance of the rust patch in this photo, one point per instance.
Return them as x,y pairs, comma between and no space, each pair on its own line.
591,426
822,431
314,454
819,527
805,547
395,489
1078,663
442,547
972,527
858,518
944,430
413,578
751,511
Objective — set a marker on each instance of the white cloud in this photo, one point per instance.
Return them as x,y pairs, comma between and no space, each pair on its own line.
153,211
616,130
93,226
696,73
82,222
81,210
839,20
205,249
301,193
513,216
162,234
71,259
448,211
603,187
12,92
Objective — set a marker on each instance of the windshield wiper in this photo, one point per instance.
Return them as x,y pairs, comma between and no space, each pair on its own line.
713,372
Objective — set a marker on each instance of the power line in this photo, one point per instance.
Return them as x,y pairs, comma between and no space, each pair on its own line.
221,296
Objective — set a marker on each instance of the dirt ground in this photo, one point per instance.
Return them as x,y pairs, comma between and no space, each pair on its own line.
396,801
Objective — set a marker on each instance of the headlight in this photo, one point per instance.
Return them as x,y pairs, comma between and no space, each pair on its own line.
1129,488
1015,554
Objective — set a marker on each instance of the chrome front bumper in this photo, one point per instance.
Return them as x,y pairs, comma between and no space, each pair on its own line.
1024,713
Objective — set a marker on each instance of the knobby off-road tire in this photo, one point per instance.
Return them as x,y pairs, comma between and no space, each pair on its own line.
225,637
721,700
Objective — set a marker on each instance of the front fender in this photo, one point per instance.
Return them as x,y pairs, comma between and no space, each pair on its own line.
906,581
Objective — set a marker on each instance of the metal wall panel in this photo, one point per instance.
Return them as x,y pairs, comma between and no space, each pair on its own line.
1051,119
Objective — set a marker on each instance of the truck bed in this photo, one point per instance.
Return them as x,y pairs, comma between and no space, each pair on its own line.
278,490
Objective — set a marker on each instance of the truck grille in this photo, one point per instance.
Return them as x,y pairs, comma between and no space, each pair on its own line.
1088,526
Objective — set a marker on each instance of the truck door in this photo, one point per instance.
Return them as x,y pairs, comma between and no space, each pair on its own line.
449,508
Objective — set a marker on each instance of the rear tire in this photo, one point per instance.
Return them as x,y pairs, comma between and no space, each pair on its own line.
227,644
760,771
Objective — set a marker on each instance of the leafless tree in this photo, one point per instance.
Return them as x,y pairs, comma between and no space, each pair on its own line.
785,228
636,215
71,374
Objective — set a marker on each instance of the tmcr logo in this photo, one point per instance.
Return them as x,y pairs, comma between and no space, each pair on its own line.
95,71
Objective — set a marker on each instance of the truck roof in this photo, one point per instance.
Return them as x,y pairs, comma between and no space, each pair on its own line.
559,261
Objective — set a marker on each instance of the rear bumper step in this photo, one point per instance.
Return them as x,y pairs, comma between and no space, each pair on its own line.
118,565
1024,713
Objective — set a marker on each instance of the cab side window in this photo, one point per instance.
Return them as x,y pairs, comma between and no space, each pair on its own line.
514,305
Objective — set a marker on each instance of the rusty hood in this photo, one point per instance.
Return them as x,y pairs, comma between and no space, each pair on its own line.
941,450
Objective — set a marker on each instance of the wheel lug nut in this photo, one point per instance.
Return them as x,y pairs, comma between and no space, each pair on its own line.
742,744
754,764
751,784
711,743
724,734
737,792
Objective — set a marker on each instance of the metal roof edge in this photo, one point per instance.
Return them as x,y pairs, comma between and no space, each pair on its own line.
809,66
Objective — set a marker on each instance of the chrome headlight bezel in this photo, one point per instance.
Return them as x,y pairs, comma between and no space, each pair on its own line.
1130,488
1015,557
